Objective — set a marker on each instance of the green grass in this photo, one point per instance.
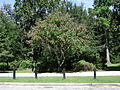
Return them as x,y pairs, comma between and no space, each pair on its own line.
101,79
113,67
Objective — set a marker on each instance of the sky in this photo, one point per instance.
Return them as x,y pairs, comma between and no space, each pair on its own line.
11,2
87,3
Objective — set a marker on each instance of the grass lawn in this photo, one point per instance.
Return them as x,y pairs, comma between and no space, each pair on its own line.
100,79
113,67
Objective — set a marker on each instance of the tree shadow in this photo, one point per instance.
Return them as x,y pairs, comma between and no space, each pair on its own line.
4,71
113,68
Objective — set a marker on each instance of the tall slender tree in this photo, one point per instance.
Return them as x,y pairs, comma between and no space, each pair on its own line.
103,16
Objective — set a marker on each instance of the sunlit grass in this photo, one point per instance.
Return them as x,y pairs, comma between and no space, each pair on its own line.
114,65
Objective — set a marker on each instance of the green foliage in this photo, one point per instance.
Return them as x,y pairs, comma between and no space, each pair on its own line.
10,37
27,12
58,33
105,26
104,22
3,66
116,59
14,64
5,30
83,65
25,64
60,37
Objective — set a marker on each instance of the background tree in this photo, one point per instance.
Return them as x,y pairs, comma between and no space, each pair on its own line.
115,31
104,11
103,17
10,37
27,12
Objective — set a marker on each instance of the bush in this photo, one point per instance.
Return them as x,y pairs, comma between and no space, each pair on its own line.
25,64
83,65
3,66
116,59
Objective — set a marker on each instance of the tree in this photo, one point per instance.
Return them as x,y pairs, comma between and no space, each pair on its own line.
115,29
103,16
107,26
27,12
81,16
57,39
10,36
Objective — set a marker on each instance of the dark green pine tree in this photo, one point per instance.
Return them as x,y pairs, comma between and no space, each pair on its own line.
10,37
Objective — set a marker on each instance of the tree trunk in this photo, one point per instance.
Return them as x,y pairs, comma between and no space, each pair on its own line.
107,47
7,65
107,56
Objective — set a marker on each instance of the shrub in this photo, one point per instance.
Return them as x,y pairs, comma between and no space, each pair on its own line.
83,65
116,59
3,66
25,64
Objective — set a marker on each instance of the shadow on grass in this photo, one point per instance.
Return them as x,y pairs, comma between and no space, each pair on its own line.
113,67
5,71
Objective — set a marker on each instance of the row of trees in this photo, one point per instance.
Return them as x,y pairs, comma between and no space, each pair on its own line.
56,34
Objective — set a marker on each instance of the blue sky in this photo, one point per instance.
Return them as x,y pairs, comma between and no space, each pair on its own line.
7,2
87,3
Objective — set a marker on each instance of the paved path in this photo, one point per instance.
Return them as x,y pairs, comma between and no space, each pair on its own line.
58,86
107,73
